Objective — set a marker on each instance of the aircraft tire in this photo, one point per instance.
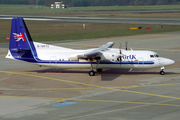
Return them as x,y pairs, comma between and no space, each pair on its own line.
91,73
162,72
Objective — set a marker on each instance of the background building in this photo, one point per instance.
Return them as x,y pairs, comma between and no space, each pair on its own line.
58,5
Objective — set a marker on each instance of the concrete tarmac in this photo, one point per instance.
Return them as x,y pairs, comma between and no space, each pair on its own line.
29,92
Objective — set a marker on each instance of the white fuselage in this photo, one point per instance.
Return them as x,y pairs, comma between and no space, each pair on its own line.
60,57
22,48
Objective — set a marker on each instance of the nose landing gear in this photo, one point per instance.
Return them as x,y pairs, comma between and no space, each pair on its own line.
162,71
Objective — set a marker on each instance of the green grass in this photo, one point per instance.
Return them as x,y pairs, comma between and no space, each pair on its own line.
42,31
149,7
45,9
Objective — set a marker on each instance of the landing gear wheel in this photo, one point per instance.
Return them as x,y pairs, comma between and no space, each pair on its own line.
91,73
162,72
99,70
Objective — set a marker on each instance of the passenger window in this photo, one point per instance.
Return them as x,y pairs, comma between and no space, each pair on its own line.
151,56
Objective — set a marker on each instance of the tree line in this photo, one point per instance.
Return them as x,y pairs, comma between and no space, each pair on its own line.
77,3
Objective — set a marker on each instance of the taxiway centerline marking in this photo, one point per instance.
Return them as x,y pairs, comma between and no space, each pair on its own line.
44,89
111,101
32,97
155,85
81,116
90,100
86,84
98,113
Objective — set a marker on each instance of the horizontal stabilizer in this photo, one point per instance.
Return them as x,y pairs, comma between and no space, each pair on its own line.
20,50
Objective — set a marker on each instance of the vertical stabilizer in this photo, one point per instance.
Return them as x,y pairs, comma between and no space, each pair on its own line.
21,46
20,36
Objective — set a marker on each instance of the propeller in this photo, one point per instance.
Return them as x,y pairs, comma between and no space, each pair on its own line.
120,52
126,45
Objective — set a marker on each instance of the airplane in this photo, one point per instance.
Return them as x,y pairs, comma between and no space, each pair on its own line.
22,48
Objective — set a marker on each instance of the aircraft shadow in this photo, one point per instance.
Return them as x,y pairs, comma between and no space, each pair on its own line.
134,72
104,72
54,70
106,75
109,77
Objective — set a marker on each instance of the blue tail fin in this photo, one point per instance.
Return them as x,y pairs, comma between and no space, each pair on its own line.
21,45
19,35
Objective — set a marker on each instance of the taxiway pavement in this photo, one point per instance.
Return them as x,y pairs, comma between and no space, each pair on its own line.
30,92
163,21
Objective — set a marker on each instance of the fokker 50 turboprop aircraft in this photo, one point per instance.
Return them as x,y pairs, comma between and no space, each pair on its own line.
21,47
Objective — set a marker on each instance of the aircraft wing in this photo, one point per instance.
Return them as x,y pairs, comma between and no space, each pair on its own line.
96,52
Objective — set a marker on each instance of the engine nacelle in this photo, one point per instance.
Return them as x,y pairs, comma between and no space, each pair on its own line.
109,56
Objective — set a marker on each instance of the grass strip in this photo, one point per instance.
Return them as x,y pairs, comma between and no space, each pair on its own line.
42,31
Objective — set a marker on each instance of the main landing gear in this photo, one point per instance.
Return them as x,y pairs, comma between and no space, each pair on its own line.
162,71
92,72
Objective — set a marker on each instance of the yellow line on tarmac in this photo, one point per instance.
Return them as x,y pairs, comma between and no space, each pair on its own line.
104,112
86,84
31,97
90,100
159,85
111,101
56,79
65,73
155,85
47,89
81,116
163,96
44,89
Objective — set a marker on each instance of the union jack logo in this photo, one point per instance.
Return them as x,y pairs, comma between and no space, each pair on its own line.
19,37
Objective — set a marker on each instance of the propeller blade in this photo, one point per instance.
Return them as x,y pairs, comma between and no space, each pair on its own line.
120,52
120,49
126,45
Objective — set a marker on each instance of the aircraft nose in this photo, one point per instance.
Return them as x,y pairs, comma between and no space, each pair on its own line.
168,61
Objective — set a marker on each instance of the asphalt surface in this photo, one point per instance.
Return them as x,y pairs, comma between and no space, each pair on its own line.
163,21
28,92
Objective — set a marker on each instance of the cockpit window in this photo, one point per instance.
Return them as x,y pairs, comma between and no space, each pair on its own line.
156,55
151,56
